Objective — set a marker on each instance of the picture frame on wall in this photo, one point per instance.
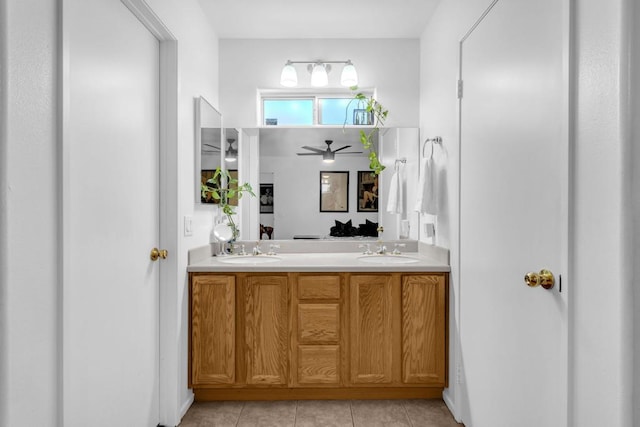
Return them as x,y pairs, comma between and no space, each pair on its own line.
207,174
334,191
266,198
367,191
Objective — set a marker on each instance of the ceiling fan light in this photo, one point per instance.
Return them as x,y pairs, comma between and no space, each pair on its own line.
231,154
329,157
289,76
349,76
319,76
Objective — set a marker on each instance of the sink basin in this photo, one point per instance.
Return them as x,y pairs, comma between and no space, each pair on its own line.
249,259
387,259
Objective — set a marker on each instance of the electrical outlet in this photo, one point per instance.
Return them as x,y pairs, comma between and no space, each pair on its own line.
188,225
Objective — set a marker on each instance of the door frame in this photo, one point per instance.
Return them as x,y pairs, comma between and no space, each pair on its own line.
460,403
168,351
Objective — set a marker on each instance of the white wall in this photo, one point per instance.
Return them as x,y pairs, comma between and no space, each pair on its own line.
391,66
634,195
601,342
29,211
439,48
601,278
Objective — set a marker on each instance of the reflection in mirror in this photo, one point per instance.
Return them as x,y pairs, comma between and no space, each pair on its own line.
291,160
209,147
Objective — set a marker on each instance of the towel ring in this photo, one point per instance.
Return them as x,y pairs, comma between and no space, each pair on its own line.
434,140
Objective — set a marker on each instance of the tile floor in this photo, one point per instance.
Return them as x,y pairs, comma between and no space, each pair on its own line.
320,413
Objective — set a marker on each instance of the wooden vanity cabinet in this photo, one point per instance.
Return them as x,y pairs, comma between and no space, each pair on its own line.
318,335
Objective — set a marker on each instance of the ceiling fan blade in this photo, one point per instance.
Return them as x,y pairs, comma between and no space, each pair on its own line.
310,154
317,150
212,146
350,152
341,148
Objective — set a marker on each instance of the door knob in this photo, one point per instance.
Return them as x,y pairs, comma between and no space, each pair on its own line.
544,278
158,253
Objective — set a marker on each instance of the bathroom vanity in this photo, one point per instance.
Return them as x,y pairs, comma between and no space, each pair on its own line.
318,326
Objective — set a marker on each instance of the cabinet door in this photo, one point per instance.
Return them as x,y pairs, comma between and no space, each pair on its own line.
371,328
423,329
266,325
213,329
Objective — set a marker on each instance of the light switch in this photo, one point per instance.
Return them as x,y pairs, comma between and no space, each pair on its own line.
188,225
430,229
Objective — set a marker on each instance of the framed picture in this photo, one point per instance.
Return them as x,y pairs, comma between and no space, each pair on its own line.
334,191
367,191
266,198
207,174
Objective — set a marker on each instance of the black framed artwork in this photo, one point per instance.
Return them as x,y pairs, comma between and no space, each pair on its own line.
334,191
266,198
367,191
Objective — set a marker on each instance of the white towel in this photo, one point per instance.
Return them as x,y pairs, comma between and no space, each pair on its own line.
427,202
395,204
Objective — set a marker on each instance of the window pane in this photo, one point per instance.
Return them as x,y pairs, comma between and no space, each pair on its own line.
288,111
338,111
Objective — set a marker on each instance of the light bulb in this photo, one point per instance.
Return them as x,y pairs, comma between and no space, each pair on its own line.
289,77
349,77
319,75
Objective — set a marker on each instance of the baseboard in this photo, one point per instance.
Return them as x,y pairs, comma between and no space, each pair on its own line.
446,396
186,405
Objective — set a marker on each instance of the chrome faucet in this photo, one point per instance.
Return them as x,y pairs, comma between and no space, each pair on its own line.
382,249
396,251
272,248
367,248
256,248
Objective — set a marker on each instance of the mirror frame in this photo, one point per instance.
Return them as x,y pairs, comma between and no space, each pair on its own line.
198,143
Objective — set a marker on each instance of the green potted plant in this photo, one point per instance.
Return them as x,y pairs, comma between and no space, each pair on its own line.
378,115
223,188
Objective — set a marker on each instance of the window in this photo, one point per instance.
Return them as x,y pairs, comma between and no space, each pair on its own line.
324,110
288,111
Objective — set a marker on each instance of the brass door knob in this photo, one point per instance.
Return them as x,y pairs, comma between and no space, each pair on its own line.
158,253
544,278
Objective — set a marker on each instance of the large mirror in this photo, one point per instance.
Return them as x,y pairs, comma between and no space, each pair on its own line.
315,184
210,144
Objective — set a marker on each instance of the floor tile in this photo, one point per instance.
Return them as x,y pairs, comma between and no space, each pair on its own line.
324,413
429,413
379,413
268,414
212,414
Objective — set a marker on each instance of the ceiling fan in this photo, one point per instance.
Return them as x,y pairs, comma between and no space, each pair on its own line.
230,154
328,155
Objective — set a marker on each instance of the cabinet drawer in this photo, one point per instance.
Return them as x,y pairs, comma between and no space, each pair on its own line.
318,323
318,287
318,364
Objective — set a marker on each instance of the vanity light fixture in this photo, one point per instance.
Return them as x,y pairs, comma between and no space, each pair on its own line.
319,73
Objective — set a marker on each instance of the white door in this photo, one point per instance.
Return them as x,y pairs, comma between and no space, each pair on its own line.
513,216
110,211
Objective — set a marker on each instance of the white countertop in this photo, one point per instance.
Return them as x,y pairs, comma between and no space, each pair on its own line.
321,262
